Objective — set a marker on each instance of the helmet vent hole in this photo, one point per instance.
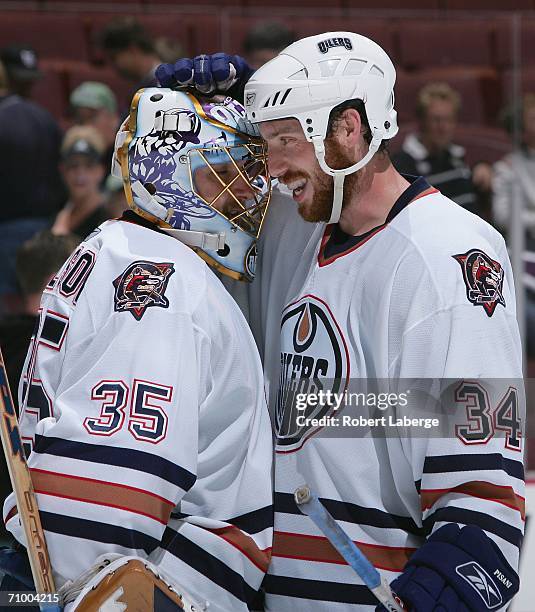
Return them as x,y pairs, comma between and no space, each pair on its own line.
224,251
328,67
156,97
355,67
300,75
150,188
376,71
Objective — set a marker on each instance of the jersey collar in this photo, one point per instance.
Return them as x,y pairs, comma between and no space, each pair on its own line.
131,217
336,243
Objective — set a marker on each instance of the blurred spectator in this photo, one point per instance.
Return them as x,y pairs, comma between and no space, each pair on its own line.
432,153
20,62
131,51
38,259
517,168
116,201
168,50
83,171
95,104
32,190
265,41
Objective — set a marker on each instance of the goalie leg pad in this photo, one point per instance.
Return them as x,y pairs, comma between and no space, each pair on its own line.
132,584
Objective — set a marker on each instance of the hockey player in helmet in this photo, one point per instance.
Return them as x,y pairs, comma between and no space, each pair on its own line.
378,293
197,168
153,449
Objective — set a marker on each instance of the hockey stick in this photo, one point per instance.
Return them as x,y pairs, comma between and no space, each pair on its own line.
310,505
25,495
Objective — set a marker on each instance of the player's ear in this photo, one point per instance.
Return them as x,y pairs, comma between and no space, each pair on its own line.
349,128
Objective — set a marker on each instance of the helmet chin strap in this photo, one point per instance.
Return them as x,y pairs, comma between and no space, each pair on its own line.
203,240
339,175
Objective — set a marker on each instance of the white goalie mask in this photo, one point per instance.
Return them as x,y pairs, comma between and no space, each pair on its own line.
314,75
197,168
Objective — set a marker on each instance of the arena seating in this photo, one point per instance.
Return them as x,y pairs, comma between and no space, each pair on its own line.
504,37
377,29
195,32
482,143
479,89
52,35
75,75
527,81
51,90
445,6
417,43
474,55
490,5
436,43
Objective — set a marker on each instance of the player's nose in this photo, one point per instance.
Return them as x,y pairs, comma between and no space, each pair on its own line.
242,189
277,165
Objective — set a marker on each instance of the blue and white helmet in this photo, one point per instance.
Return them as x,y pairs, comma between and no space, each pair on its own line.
197,168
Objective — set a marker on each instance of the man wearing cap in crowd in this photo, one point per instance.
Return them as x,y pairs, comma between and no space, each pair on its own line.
95,104
83,171
32,190
20,63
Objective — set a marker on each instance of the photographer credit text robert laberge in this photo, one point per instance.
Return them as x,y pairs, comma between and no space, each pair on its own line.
381,401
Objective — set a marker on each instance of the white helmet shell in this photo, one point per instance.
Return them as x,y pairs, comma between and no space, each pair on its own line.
314,75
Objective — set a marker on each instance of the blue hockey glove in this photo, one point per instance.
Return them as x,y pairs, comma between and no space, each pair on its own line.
208,74
456,570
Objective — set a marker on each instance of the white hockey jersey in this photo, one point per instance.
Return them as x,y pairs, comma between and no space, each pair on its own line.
143,402
427,295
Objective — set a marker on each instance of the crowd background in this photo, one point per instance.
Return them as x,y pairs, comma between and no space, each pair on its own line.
465,97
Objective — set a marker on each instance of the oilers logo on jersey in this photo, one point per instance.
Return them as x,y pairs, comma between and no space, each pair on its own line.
141,285
483,278
314,356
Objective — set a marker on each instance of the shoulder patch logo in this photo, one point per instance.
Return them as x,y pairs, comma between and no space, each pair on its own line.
483,278
142,285
482,583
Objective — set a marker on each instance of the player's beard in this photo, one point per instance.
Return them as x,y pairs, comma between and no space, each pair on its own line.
319,209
